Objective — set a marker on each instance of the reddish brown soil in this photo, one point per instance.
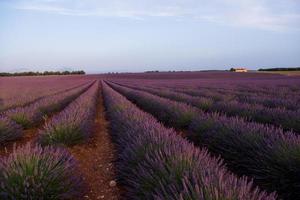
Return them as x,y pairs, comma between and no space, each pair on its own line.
29,135
183,133
96,160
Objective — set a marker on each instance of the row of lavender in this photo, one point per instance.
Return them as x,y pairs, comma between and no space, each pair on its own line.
32,114
288,103
274,87
74,123
268,155
282,88
34,172
50,172
13,120
271,93
155,163
58,91
21,91
280,117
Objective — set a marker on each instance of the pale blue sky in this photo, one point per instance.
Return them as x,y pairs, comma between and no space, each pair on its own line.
139,35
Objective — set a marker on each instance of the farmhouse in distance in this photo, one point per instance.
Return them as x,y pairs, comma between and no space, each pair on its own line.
239,69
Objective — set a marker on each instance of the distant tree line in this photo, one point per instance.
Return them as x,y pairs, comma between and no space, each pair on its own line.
281,69
154,71
45,73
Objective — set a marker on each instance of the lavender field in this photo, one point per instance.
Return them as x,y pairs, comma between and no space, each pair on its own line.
165,136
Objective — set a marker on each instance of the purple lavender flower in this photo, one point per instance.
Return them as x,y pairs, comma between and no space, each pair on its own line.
9,130
266,154
155,163
22,91
33,172
278,116
73,124
33,113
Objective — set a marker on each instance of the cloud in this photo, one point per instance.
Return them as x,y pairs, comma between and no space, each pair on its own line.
262,14
256,15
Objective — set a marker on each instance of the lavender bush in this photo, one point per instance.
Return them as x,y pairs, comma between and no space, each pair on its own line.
32,114
25,116
73,124
9,130
280,88
267,154
243,97
33,172
264,153
22,91
287,119
176,114
155,163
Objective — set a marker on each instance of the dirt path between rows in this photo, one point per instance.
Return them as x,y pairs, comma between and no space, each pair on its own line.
28,136
96,160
